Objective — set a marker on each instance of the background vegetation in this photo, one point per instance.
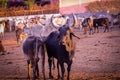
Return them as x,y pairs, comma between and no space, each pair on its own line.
26,7
109,5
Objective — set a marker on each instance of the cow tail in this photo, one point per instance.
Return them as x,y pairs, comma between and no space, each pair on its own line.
45,47
36,49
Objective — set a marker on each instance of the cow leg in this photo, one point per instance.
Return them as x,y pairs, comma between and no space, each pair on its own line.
68,69
34,72
91,31
58,70
28,63
105,29
94,29
53,63
97,29
43,62
62,70
33,65
50,65
17,36
85,30
37,70
1,35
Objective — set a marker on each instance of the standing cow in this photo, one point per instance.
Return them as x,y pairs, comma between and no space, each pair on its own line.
60,45
33,49
101,22
88,23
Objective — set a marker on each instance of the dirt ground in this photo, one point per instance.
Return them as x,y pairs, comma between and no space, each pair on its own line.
97,57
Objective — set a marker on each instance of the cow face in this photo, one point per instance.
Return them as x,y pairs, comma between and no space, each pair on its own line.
66,38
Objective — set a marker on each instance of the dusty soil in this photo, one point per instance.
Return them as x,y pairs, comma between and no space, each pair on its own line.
97,57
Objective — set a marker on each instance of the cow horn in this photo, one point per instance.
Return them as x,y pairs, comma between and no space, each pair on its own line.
52,24
52,21
74,22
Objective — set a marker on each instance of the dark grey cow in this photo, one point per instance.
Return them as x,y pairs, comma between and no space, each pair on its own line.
33,48
101,22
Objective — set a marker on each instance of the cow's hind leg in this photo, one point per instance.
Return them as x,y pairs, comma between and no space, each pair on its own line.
1,35
37,70
91,31
85,30
105,28
34,63
29,66
43,61
34,72
97,29
50,65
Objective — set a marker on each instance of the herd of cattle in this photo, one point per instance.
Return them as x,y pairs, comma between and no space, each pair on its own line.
55,34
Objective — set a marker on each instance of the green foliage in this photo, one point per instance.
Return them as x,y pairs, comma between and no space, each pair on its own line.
3,3
30,3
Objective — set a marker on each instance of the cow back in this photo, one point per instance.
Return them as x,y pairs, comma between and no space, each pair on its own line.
30,45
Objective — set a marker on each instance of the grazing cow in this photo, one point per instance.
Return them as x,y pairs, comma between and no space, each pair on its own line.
60,45
33,48
88,23
101,22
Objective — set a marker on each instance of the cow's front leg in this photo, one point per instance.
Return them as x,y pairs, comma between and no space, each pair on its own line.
62,70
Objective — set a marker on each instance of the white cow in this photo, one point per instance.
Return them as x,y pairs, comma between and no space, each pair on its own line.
2,27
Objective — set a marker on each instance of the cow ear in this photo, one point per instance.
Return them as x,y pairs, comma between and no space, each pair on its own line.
74,22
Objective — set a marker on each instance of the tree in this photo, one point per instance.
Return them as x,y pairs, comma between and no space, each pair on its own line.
3,3
30,3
